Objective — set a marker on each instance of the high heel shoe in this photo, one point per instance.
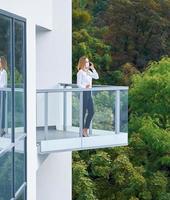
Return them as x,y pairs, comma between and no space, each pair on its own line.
85,134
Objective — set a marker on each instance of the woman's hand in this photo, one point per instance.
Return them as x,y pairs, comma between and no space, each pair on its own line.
88,86
92,66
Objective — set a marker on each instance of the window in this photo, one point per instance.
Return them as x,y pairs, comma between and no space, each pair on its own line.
13,102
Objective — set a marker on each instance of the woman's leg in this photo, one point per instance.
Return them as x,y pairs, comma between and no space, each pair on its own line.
90,109
2,113
84,107
85,101
3,110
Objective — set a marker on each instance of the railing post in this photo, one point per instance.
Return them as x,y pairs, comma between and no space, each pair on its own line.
1,97
117,112
6,112
46,114
81,114
90,128
65,111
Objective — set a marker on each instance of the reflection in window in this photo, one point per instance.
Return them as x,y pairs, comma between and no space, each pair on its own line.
6,54
12,164
19,165
19,78
5,176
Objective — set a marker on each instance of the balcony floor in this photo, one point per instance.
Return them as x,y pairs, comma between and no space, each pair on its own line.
73,132
70,140
58,140
55,135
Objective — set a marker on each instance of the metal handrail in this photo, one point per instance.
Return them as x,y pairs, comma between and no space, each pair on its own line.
107,88
76,86
68,84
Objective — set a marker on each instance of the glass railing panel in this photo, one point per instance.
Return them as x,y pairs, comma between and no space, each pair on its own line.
76,109
124,111
63,113
6,176
42,117
102,129
57,115
40,112
103,122
50,116
69,115
76,114
54,120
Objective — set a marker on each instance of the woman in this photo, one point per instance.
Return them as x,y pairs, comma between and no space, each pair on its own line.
86,72
3,84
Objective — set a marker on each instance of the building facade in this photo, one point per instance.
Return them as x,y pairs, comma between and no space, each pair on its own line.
36,39
43,119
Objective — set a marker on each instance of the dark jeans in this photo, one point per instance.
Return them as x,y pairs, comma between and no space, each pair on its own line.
87,108
2,109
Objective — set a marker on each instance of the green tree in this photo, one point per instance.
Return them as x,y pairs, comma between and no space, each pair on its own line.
95,49
141,170
138,31
121,37
150,93
87,42
83,186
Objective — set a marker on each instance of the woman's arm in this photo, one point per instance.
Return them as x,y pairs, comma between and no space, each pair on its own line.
79,80
93,73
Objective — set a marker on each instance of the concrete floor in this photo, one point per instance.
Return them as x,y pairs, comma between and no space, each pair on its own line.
55,134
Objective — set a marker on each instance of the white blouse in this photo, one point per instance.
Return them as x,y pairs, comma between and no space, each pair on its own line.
3,78
85,77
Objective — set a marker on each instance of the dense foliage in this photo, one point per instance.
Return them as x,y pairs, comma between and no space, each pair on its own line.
118,34
135,34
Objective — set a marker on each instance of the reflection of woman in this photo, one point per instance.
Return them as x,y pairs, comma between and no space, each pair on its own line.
3,84
86,72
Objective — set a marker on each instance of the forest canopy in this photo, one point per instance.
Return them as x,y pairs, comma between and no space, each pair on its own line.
129,43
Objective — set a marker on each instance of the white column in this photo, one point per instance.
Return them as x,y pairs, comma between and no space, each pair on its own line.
31,112
54,177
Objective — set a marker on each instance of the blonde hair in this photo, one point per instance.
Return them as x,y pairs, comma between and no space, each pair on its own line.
81,63
3,62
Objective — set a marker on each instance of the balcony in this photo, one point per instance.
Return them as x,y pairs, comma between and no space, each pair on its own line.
60,118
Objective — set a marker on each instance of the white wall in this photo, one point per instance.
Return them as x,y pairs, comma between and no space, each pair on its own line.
48,55
54,58
54,65
38,11
51,183
54,48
